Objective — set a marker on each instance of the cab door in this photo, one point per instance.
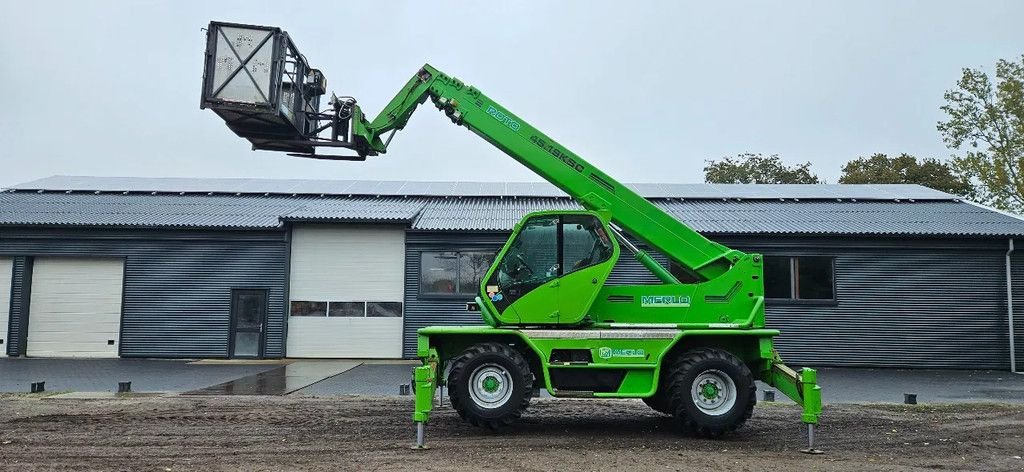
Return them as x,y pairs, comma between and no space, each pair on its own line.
551,270
587,258
524,289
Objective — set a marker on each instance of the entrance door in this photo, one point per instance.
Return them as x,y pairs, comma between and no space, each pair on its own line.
248,314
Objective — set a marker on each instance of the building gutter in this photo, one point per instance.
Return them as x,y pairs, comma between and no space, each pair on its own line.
1009,308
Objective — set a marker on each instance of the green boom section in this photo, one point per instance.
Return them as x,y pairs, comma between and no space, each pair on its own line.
594,189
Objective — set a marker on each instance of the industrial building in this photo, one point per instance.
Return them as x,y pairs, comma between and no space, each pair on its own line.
855,275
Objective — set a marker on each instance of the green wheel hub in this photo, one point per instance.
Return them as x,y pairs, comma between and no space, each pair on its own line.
491,384
709,390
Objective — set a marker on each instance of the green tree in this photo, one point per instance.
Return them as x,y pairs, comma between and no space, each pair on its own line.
905,169
751,168
986,123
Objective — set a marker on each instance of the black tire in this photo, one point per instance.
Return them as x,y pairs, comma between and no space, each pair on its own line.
499,363
712,370
659,402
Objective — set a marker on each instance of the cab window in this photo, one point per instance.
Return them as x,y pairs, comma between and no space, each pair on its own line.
584,242
551,246
533,256
547,247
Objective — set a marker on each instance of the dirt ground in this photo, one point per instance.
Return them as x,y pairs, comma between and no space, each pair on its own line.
375,433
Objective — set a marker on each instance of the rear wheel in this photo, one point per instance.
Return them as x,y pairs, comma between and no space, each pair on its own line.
490,385
712,392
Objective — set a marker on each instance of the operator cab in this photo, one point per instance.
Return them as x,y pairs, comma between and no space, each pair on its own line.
551,268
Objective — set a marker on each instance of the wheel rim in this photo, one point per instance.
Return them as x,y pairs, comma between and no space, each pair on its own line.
713,392
490,386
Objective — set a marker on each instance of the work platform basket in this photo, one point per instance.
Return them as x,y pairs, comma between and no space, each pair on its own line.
258,82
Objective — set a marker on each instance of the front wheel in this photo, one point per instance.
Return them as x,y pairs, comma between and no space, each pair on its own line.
490,385
712,392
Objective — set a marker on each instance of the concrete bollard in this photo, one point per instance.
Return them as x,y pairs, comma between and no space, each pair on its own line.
910,398
38,387
124,387
769,395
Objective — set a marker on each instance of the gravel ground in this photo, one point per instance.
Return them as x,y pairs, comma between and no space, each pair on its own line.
374,433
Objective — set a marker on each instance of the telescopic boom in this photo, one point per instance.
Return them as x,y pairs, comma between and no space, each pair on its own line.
467,106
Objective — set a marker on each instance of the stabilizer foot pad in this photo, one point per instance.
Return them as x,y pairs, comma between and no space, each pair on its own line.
812,450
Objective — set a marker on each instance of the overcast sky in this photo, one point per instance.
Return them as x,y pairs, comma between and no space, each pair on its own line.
647,91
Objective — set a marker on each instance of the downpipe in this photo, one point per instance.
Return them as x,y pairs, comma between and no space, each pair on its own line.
1010,310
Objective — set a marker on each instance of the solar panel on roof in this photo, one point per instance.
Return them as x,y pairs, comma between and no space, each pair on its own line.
749,216
522,189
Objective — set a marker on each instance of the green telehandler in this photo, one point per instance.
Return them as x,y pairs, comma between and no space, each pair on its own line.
689,348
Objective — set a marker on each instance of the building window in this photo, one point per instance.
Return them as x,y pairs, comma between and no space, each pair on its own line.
309,308
453,272
472,269
439,272
799,277
347,309
383,309
351,309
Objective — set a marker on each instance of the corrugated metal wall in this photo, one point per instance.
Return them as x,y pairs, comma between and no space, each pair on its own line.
1017,275
921,303
428,310
15,333
900,302
177,293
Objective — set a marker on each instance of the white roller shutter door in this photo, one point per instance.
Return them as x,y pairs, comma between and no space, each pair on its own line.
75,307
347,266
6,265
